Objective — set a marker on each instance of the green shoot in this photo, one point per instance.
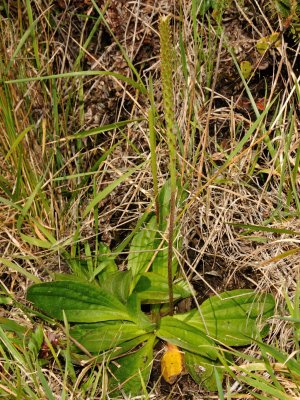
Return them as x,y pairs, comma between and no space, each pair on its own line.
166,54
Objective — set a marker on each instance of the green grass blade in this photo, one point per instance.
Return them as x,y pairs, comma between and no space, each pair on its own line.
21,43
16,142
105,192
44,383
33,34
78,74
100,129
259,228
20,270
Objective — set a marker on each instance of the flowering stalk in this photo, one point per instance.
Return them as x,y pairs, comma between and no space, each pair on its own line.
166,58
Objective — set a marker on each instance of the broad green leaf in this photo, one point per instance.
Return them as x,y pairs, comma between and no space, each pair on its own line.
142,248
153,288
160,263
68,277
137,315
115,352
105,335
233,318
187,337
202,370
240,301
129,374
118,284
105,263
81,302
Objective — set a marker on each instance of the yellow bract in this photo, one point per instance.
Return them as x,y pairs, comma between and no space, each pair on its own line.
171,363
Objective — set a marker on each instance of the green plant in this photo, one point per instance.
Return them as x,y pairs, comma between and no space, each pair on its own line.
167,55
289,11
119,316
272,372
121,334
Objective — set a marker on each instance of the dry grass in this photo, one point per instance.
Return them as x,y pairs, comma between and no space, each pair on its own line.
48,177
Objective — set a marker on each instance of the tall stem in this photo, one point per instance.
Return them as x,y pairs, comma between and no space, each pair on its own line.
166,57
151,122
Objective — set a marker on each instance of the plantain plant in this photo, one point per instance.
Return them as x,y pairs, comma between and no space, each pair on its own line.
119,316
108,321
116,317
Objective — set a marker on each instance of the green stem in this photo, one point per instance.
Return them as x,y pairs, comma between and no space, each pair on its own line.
151,122
166,54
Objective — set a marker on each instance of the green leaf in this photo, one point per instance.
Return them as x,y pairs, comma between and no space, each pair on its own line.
118,284
105,335
187,337
267,388
77,74
142,248
153,288
35,341
21,43
129,374
100,129
160,263
6,300
15,267
15,332
17,141
81,302
111,354
137,315
258,228
108,189
105,263
164,198
68,277
234,318
202,370
289,362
